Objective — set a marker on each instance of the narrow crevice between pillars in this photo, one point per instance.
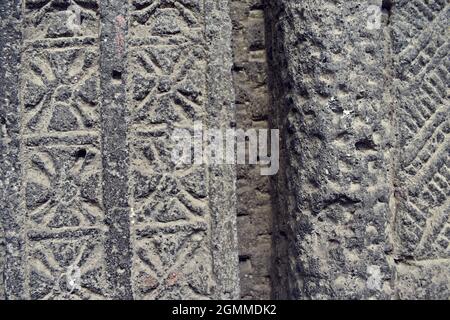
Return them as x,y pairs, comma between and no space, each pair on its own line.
279,257
115,151
254,210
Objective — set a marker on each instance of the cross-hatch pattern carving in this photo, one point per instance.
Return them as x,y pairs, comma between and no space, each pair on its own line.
61,90
161,195
168,84
423,122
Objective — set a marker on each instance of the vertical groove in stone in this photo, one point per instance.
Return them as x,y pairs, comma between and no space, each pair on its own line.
59,204
222,179
12,218
115,147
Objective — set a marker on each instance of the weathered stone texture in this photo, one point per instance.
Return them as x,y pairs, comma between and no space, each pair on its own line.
333,189
10,163
177,53
420,61
92,205
363,189
253,189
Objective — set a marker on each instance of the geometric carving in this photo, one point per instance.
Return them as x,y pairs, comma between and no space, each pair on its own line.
162,192
423,223
167,89
49,18
168,84
101,202
60,90
63,186
173,264
62,163
66,269
166,17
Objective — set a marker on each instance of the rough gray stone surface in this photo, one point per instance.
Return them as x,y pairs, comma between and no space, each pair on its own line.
92,206
363,190
334,186
421,80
